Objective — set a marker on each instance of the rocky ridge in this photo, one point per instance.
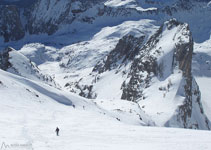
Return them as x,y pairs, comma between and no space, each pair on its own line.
135,66
16,63
139,62
49,17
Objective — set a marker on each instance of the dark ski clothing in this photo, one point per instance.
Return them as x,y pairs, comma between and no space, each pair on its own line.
57,131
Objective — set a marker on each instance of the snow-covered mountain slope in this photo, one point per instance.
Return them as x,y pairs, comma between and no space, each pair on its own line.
68,19
122,62
72,62
113,51
30,112
20,90
80,16
16,63
138,67
202,72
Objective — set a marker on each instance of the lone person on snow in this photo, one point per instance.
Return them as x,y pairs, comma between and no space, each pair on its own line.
57,131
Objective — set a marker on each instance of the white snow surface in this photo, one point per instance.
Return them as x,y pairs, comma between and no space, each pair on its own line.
83,56
30,112
74,62
162,104
202,72
116,3
128,4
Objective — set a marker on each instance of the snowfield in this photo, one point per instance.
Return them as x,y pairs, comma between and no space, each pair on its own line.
202,72
77,60
30,112
51,67
74,63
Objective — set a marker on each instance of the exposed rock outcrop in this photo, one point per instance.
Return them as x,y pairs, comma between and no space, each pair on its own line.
166,54
11,28
47,16
15,62
50,16
147,59
125,51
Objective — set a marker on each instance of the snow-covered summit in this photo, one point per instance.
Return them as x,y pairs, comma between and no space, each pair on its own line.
130,61
160,64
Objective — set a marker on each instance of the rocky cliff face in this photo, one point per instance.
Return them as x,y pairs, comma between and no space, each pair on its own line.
137,63
191,113
152,58
125,51
154,71
19,3
187,113
11,28
50,16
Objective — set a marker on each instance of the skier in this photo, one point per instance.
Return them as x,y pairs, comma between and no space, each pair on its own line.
57,131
